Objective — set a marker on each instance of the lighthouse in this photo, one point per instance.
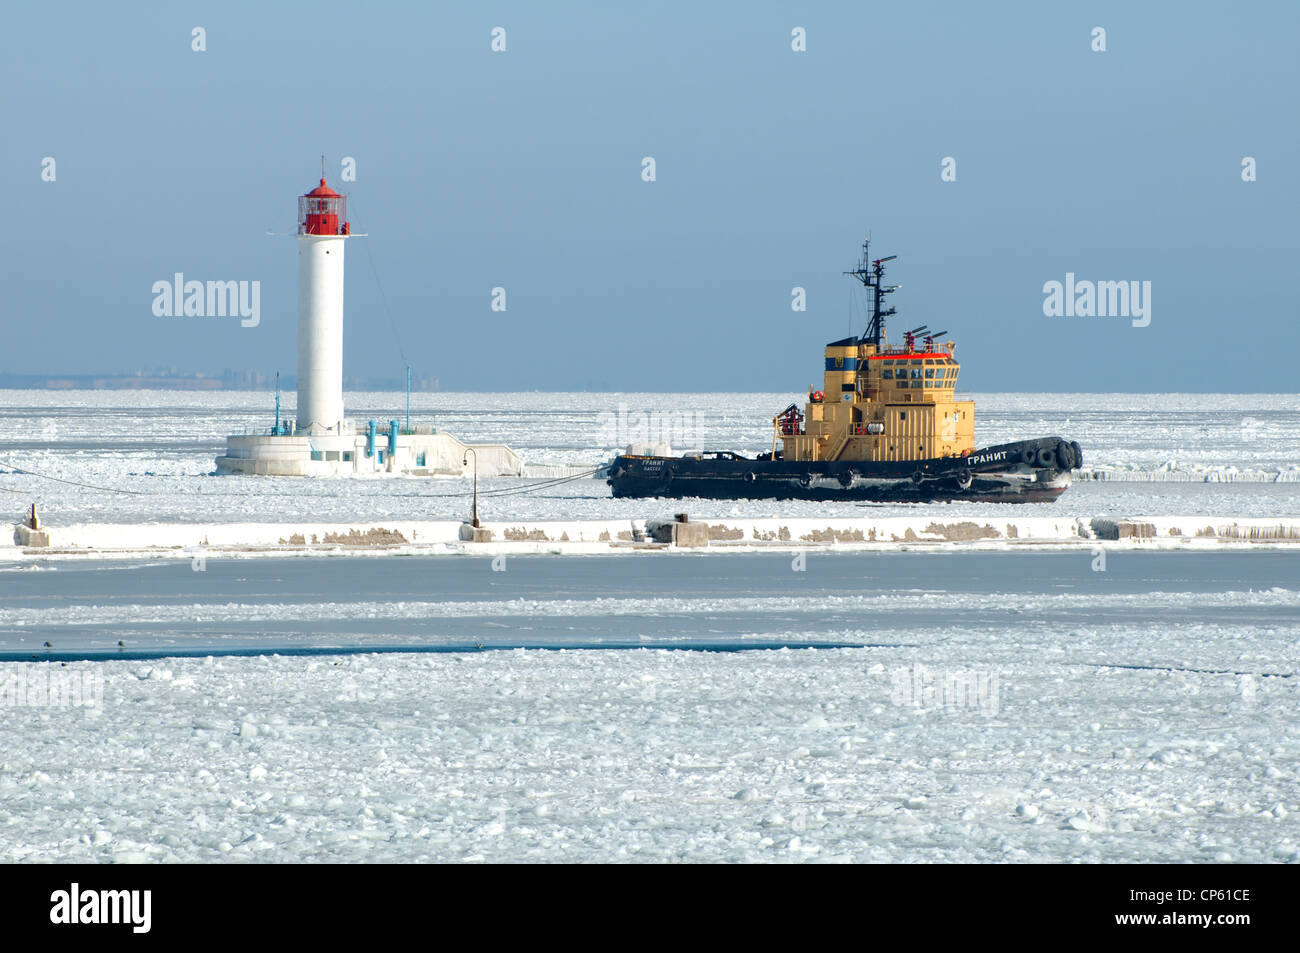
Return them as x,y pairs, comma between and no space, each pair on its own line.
322,442
323,231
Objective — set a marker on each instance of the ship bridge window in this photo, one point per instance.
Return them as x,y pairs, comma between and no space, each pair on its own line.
916,372
941,373
887,374
929,372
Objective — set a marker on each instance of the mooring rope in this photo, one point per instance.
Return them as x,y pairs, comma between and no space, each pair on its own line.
88,486
498,491
511,490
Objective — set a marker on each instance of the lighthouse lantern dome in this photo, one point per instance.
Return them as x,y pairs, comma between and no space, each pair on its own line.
322,211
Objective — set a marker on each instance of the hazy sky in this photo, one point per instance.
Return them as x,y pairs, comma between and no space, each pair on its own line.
523,169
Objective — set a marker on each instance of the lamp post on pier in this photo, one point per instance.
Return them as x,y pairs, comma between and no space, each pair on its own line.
465,462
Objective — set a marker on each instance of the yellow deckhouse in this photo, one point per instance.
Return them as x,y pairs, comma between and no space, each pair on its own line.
881,403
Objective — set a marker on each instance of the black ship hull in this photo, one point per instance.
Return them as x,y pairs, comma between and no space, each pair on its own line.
1027,471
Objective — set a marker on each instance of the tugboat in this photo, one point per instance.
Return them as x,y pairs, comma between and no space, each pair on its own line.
886,427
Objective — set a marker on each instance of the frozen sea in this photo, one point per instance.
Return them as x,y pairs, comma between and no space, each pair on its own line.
993,707
875,706
1180,454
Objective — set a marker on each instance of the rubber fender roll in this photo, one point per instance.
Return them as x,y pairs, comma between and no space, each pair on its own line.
965,478
1027,456
847,477
1046,457
918,477
1064,456
1078,453
806,480
749,476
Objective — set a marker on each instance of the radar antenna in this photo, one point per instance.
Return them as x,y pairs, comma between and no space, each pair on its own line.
871,273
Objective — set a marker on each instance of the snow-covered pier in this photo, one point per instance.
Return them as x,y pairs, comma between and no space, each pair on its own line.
599,536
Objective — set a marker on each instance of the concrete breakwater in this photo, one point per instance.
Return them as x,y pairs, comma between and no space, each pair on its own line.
590,536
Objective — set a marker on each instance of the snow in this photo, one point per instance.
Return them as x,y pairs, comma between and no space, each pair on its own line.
162,445
650,755
201,541
1002,699
602,607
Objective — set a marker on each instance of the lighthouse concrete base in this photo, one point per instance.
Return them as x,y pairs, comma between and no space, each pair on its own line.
426,452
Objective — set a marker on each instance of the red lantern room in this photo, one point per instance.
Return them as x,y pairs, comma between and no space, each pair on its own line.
322,211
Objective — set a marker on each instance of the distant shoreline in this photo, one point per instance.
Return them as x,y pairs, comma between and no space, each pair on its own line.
230,380
98,382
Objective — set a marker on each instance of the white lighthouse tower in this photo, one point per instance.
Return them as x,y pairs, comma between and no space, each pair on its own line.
321,442
323,231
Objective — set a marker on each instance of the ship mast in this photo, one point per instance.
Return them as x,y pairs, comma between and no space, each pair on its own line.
870,273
